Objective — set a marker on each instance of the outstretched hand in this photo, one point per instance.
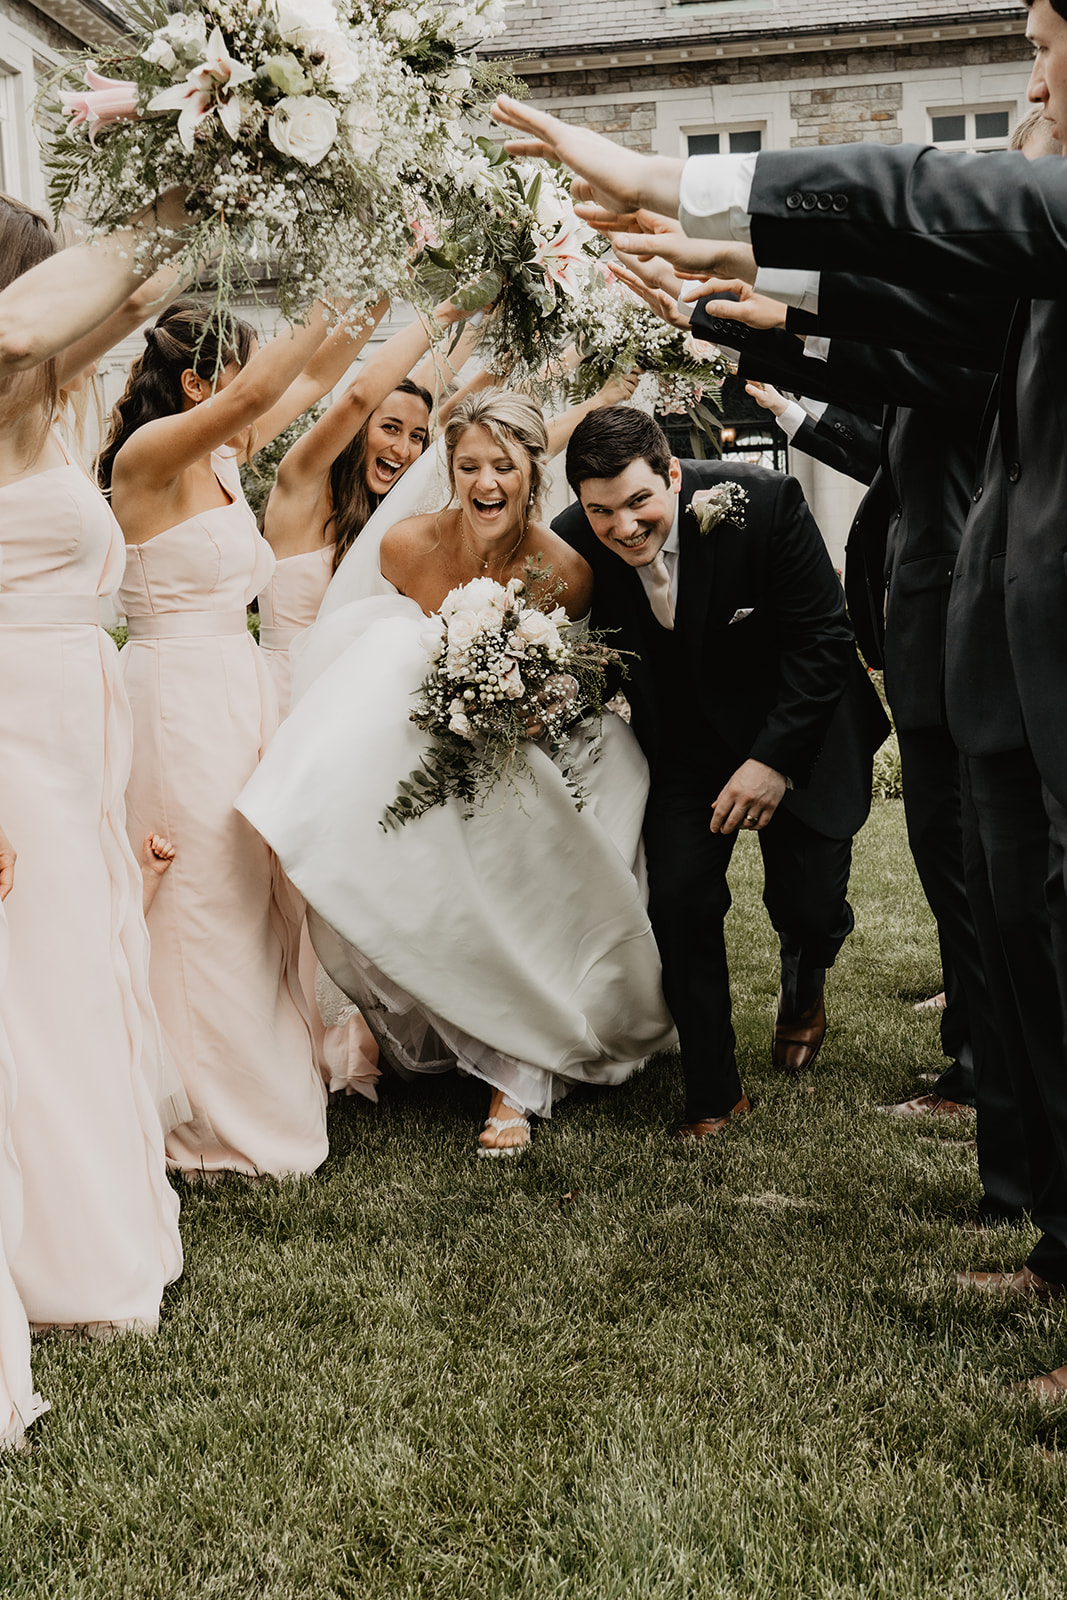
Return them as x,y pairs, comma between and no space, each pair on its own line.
644,232
749,800
767,396
618,179
655,283
752,309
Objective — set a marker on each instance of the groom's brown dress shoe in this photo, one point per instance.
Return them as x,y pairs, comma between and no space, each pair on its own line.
690,1132
1024,1283
1047,1386
797,1039
927,1105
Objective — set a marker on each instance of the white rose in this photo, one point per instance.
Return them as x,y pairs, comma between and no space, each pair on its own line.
491,616
403,26
458,723
303,126
160,54
462,628
458,81
537,629
364,128
481,593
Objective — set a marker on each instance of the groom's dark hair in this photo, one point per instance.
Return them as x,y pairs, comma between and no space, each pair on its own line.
606,441
1059,6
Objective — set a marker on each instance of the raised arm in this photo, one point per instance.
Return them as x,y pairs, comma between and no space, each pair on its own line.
64,298
149,300
311,457
323,372
159,451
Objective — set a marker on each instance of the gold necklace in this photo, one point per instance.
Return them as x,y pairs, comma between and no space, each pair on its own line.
485,564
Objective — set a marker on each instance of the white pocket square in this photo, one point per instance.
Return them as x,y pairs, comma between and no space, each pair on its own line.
739,616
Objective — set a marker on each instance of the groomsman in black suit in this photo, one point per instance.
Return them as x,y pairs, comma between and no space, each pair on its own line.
752,707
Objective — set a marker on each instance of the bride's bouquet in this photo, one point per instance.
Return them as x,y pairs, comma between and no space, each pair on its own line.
503,671
300,130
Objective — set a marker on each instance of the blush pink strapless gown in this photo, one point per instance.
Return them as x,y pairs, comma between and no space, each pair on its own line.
225,923
100,1221
345,1048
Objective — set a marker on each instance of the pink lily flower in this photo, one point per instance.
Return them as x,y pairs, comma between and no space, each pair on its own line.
562,256
109,100
206,89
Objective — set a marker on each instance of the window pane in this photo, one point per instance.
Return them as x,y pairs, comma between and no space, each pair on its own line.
991,124
703,144
742,143
948,130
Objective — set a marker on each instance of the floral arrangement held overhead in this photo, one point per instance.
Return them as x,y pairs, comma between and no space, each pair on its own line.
301,130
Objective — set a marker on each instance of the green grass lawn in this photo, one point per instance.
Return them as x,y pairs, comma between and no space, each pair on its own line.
608,1370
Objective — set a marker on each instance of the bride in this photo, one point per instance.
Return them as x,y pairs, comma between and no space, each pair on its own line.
513,943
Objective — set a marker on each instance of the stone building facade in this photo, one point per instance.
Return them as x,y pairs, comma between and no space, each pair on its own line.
679,77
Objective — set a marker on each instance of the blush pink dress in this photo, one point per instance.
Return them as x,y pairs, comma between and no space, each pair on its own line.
225,923
345,1048
19,1404
100,1220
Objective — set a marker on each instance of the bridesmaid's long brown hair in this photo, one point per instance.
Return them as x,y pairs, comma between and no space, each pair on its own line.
352,501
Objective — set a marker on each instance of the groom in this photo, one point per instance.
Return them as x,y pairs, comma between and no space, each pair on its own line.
753,710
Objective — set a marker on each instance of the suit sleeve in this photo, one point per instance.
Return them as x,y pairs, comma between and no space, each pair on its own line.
966,330
815,638
843,440
924,218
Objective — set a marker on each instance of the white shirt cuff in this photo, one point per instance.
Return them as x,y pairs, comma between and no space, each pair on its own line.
792,419
817,349
816,409
799,289
713,197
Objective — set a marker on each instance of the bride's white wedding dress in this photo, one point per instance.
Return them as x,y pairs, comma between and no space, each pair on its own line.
514,943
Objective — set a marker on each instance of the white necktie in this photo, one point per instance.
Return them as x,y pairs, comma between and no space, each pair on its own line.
659,591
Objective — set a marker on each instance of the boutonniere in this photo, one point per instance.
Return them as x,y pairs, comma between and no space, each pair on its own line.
724,502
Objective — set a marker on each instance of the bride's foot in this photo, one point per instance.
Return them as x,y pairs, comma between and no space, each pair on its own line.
506,1132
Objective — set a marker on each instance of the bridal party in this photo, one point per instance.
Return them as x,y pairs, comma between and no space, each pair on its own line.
438,762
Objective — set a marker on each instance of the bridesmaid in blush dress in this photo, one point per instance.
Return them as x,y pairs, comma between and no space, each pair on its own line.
327,485
99,1238
225,924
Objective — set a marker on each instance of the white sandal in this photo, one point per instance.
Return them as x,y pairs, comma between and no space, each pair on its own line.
499,1124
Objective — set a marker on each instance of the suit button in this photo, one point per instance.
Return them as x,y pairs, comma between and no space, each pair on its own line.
1015,472
810,201
978,494
825,202
840,202
794,200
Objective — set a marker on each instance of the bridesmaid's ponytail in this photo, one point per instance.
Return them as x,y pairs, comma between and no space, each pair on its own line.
183,338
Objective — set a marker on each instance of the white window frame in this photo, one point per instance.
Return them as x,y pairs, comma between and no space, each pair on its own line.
724,130
970,141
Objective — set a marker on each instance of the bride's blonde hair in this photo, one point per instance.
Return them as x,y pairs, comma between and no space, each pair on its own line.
511,420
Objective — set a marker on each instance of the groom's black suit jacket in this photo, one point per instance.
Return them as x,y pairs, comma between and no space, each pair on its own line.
782,685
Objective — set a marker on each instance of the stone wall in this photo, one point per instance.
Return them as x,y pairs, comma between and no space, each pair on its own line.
847,113
629,124
40,26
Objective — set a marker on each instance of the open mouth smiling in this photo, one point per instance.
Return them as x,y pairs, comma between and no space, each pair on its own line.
488,508
387,469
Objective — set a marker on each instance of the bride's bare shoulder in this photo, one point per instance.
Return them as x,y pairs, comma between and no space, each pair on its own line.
567,565
414,535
